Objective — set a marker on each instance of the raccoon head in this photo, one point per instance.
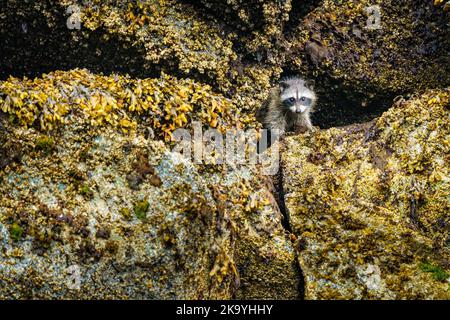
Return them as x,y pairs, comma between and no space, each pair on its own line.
297,95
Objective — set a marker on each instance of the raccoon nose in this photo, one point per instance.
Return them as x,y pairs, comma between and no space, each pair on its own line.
300,109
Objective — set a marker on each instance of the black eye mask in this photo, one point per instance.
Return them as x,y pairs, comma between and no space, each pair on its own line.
289,102
305,101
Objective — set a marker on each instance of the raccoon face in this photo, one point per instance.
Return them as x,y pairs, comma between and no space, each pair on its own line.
297,95
298,104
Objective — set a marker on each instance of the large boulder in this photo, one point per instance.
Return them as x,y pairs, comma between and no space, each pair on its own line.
95,205
369,204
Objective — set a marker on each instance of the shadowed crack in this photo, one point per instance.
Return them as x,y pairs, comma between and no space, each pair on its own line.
286,223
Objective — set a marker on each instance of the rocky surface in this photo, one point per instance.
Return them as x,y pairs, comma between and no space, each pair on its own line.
82,193
92,91
369,204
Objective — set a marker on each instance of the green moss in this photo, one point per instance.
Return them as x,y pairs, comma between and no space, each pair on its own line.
126,213
84,154
44,144
437,272
16,232
86,191
11,119
140,209
169,103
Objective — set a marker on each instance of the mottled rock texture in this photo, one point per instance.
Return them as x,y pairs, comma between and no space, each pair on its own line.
83,195
369,204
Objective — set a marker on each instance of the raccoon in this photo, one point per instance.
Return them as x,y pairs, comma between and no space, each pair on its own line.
289,106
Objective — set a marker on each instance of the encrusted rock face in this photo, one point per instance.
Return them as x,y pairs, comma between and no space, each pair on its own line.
268,16
261,22
265,257
141,38
92,209
369,204
364,53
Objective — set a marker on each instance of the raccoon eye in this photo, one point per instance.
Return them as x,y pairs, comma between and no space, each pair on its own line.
303,99
291,100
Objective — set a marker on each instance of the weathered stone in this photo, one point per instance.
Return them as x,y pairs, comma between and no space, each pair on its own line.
72,226
369,204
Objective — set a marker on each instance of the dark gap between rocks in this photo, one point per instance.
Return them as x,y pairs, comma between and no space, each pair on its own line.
286,223
338,106
300,9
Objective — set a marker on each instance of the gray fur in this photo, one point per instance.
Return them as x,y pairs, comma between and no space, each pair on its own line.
289,106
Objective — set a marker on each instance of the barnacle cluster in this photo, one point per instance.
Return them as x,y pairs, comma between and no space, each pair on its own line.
261,23
164,104
166,32
369,202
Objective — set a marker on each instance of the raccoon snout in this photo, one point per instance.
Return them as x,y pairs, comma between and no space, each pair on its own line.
300,109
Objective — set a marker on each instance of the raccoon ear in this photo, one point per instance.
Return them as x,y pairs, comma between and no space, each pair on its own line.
283,85
310,84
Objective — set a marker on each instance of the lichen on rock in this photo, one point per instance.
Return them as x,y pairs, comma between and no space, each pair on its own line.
89,210
369,203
